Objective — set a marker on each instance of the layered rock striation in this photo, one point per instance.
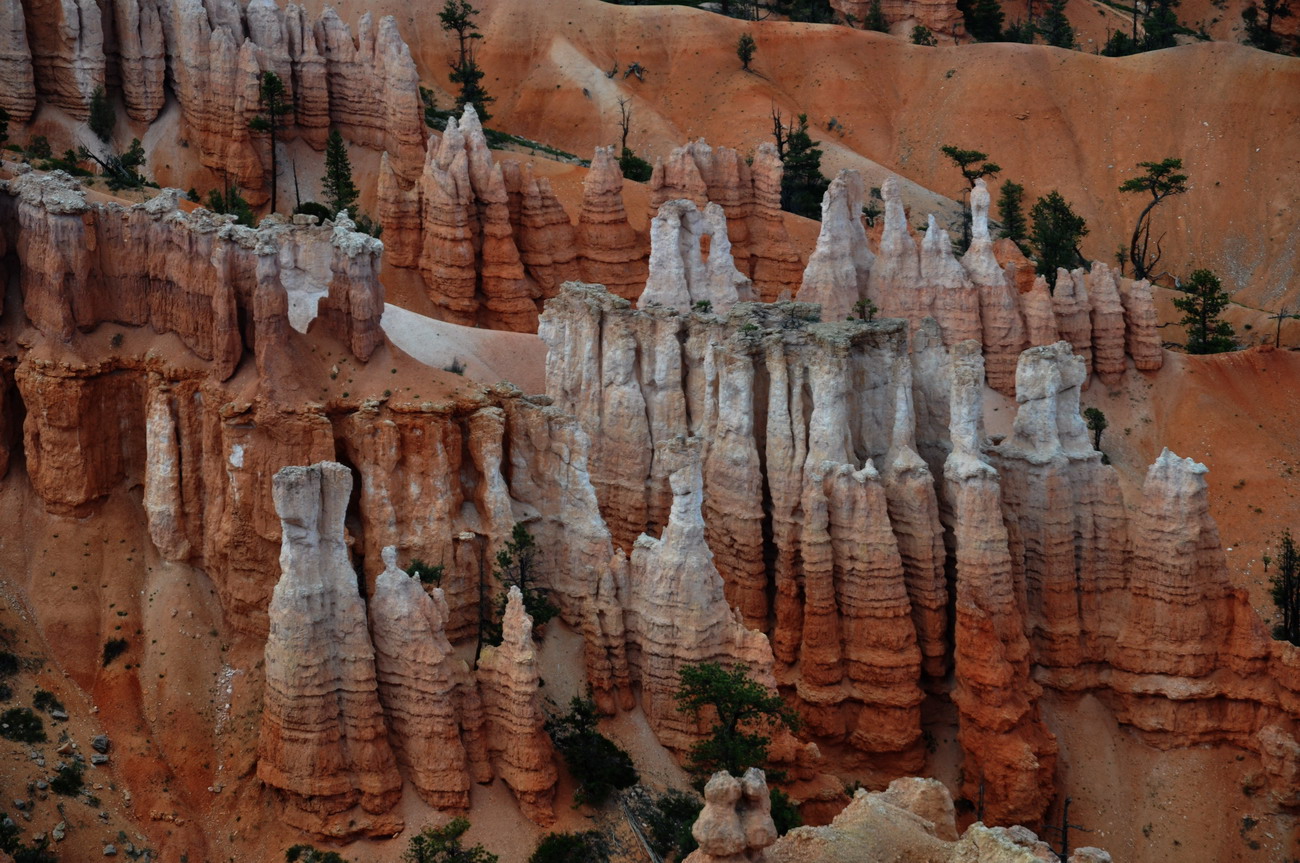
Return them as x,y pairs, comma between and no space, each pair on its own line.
323,742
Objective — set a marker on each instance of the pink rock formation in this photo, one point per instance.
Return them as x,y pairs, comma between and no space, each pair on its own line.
1007,748
777,266
509,304
547,241
141,56
1108,331
1141,336
17,86
1074,312
1040,319
896,273
516,738
955,300
939,16
836,276
421,683
67,51
676,612
1004,330
611,253
679,276
447,256
323,742
735,824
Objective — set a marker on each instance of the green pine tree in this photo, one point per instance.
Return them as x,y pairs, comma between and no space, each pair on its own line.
876,18
802,184
1205,300
457,16
274,102
1056,234
102,116
1055,27
336,186
1011,213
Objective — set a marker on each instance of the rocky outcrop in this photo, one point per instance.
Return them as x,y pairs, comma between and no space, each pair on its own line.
913,820
956,301
421,685
1070,301
676,612
547,241
1108,329
1004,330
67,51
836,276
679,275
516,736
17,86
1141,334
735,824
323,742
896,273
1040,319
611,253
1007,749
139,49
199,275
776,264
834,583
939,16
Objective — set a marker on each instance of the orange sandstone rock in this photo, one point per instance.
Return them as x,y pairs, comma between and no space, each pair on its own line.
611,252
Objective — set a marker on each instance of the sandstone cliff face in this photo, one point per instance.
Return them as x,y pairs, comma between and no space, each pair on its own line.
17,85
836,276
736,822
190,275
323,742
938,15
516,738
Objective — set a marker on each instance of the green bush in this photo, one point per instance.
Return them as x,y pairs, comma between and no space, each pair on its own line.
308,854
21,724
670,823
600,767
589,847
45,701
442,845
634,167
113,648
313,208
8,664
785,815
67,780
428,574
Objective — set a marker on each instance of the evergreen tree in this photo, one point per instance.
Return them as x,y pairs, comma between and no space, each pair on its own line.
1205,300
745,49
102,116
274,102
458,17
1161,179
336,186
1285,589
443,845
972,165
1259,33
1055,27
922,35
231,203
876,18
742,709
1022,32
1161,26
1056,234
4,127
1011,213
983,19
802,184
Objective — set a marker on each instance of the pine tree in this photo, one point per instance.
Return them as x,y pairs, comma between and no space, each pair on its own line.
274,101
1011,202
876,18
972,165
4,127
102,116
745,48
984,20
802,184
1055,27
1205,300
458,17
336,186
1056,234
1285,588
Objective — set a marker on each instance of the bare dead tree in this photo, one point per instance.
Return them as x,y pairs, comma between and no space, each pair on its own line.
624,118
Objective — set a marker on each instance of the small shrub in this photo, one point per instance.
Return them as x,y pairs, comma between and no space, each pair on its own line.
442,845
21,724
922,35
456,367
634,167
45,701
785,815
6,692
8,664
670,823
312,208
426,573
39,148
113,648
588,847
308,854
600,767
67,780
102,116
